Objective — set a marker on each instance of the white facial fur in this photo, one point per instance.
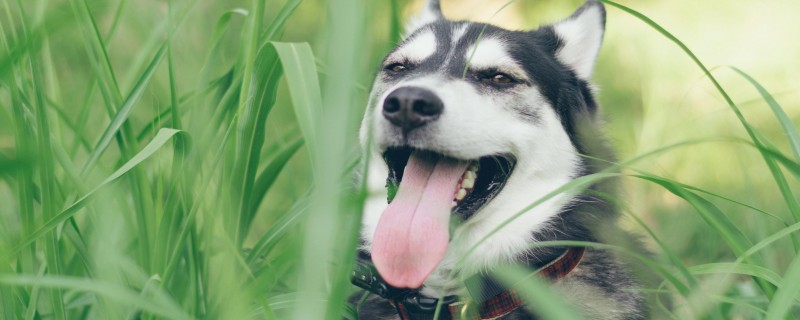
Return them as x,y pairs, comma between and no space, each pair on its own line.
418,48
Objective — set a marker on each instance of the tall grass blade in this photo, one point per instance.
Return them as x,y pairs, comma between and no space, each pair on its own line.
46,168
279,21
298,63
186,229
250,52
738,268
766,242
278,230
791,165
12,165
251,134
162,137
331,225
786,295
25,143
270,173
220,28
125,111
159,305
788,125
671,255
540,298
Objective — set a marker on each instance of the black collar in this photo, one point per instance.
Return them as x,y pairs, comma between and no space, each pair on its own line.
491,300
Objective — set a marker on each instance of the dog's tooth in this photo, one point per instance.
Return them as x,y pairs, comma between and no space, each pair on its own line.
453,204
468,183
461,194
470,175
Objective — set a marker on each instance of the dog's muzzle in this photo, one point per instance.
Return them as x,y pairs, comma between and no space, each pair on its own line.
412,107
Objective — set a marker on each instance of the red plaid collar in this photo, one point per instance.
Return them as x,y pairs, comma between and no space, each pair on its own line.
499,305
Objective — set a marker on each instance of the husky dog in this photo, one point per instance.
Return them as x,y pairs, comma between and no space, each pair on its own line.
471,124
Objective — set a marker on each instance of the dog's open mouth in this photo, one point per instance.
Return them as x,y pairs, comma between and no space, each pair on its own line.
489,175
425,188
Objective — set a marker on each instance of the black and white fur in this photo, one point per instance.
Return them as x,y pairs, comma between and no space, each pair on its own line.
545,121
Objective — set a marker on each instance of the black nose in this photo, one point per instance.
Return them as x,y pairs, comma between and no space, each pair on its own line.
412,107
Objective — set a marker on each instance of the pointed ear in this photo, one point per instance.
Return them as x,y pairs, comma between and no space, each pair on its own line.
430,13
580,36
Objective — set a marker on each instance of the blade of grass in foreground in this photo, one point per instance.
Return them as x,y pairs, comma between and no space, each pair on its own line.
270,173
672,256
159,306
162,137
738,268
279,20
784,298
251,135
331,225
187,226
296,61
788,126
279,228
301,73
11,165
46,168
539,295
125,111
25,148
735,238
220,28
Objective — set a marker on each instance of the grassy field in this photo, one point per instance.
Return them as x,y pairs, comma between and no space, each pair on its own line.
180,159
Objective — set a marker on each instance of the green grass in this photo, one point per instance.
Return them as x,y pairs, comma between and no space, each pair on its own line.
195,159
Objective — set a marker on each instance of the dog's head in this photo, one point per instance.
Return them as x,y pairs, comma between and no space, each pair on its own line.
477,122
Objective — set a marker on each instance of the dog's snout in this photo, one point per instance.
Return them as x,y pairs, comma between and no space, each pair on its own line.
412,107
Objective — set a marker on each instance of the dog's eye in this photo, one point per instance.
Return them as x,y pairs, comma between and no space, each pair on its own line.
496,79
501,78
397,67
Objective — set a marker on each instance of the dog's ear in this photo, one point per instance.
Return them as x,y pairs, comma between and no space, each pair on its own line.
580,37
430,13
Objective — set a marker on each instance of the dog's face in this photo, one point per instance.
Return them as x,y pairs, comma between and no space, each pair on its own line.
475,122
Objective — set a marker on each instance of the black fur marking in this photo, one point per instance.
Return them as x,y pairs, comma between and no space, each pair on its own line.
546,38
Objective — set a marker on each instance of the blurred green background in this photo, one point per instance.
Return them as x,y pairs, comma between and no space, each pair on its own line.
651,94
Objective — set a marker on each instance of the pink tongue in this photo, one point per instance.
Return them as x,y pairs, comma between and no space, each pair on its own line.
413,232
